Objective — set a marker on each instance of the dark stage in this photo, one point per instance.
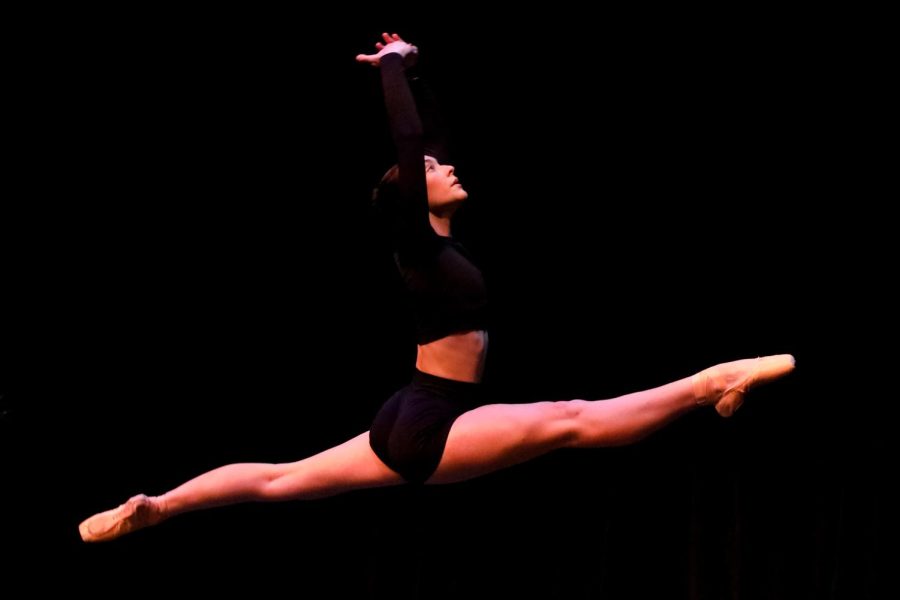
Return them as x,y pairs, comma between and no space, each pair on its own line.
194,280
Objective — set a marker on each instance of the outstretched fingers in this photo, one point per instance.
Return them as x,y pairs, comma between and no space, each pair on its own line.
391,43
388,39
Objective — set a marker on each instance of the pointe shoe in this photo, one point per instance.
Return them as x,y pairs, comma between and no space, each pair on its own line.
724,385
138,512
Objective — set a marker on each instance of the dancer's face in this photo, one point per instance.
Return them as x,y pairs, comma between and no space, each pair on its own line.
444,189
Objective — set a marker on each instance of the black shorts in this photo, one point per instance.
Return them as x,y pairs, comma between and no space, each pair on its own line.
410,430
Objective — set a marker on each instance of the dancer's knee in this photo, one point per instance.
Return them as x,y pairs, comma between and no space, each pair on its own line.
558,423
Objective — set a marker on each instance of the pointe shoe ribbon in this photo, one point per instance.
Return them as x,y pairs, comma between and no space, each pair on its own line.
725,385
138,512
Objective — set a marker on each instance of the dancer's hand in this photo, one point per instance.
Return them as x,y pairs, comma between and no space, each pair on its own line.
392,43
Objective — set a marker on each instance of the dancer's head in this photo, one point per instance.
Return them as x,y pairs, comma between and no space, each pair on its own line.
445,193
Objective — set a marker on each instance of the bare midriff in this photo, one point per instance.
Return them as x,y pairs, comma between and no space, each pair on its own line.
460,356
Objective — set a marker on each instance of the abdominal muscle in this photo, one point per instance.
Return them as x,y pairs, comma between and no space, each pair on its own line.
459,356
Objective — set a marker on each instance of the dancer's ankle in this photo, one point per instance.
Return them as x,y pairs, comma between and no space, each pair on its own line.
707,384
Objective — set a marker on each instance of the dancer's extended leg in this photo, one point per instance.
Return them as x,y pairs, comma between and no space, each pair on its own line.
351,465
500,435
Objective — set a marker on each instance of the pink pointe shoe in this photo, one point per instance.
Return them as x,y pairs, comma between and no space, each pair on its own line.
138,512
724,385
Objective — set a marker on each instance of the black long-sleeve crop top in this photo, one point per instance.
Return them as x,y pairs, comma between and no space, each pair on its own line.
447,289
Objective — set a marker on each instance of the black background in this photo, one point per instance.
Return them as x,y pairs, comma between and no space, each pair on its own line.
192,280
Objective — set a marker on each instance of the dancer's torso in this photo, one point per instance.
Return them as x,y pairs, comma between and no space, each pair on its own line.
459,356
446,288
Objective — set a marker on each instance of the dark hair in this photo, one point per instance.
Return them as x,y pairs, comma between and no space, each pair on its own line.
385,198
387,189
